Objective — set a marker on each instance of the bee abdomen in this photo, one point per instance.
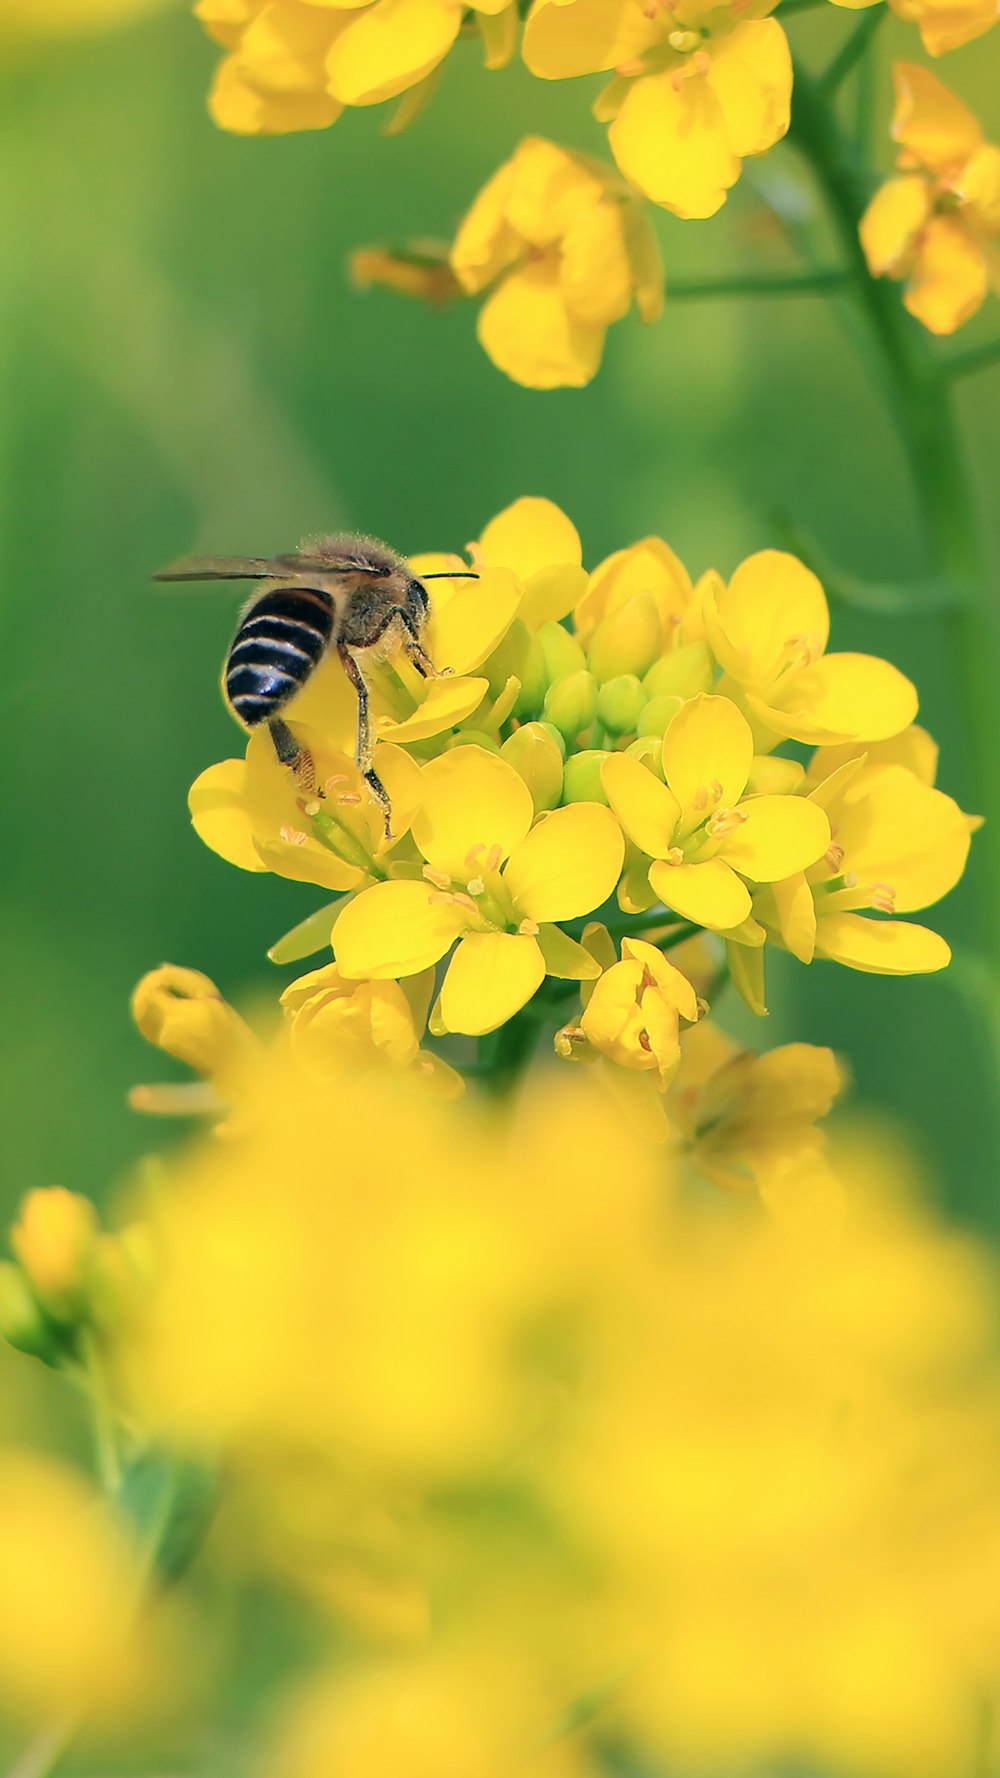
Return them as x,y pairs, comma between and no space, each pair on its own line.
280,641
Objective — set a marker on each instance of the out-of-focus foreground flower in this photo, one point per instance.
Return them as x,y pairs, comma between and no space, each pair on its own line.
570,1464
944,24
936,225
25,19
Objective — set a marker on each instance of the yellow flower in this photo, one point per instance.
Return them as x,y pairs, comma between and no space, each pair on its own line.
357,1027
697,86
52,18
55,1240
295,64
936,224
421,270
562,249
896,845
944,24
768,628
703,833
183,1013
493,882
633,1012
749,1121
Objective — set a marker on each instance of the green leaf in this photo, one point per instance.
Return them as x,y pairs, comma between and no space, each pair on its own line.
170,1502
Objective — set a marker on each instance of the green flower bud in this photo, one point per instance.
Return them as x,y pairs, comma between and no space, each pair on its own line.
582,777
22,1323
532,672
550,729
682,673
619,704
571,704
562,652
473,737
628,640
649,748
538,759
657,715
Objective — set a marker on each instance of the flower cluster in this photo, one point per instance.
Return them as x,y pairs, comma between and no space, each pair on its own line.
936,224
604,762
545,1442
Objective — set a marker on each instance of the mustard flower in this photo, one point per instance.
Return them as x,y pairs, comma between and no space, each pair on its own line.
697,87
490,880
633,1012
43,19
182,1012
896,845
295,64
55,1241
936,224
704,835
944,24
768,628
563,249
339,1026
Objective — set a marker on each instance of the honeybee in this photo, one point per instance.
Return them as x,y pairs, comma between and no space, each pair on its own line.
350,595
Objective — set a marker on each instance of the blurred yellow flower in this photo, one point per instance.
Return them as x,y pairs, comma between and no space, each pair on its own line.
697,87
493,882
51,18
55,1240
563,249
338,1025
295,64
182,1012
700,829
935,226
768,628
944,24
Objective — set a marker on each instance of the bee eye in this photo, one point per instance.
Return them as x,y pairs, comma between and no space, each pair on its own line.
417,595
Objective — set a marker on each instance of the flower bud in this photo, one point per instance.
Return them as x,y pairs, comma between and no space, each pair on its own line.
649,748
657,715
22,1323
683,673
538,758
561,651
183,1012
123,1271
55,1240
628,640
571,704
619,703
582,777
519,654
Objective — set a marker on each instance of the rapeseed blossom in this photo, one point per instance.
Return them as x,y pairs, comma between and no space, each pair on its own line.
944,24
24,20
696,87
935,225
296,64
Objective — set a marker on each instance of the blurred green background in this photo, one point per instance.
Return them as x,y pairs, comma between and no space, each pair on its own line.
185,365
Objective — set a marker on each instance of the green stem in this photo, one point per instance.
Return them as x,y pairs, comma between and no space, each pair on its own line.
965,364
919,398
851,52
45,1752
809,283
504,1054
108,1455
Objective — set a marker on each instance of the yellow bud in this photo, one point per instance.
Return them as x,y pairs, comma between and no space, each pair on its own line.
628,640
657,715
683,673
122,1273
183,1012
571,704
538,759
22,1323
582,777
55,1239
619,704
561,651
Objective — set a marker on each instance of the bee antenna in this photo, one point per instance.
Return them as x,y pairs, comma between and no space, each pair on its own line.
448,574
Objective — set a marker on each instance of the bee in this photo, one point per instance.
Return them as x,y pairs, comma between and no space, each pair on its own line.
352,596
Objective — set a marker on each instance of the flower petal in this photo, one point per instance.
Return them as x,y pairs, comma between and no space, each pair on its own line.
897,831
390,46
470,625
568,865
672,144
881,947
530,534
751,76
472,801
781,834
890,227
395,929
647,810
789,910
448,702
707,754
584,37
526,329
940,132
843,697
771,609
949,281
217,801
710,894
491,976
564,957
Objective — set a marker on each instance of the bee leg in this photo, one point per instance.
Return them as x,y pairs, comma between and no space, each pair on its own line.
298,759
417,653
364,751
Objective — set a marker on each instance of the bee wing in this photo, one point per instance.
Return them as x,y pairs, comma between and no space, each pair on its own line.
245,567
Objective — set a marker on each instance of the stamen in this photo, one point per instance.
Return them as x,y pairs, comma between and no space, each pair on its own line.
883,898
629,69
493,858
310,809
850,879
725,820
528,929
337,778
476,886
292,836
464,901
348,796
674,855
701,62
473,853
807,645
436,877
834,855
700,798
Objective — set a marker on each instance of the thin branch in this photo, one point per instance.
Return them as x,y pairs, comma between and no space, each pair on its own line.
817,283
851,52
974,358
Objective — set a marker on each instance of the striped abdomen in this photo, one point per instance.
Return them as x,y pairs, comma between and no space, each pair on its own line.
281,639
